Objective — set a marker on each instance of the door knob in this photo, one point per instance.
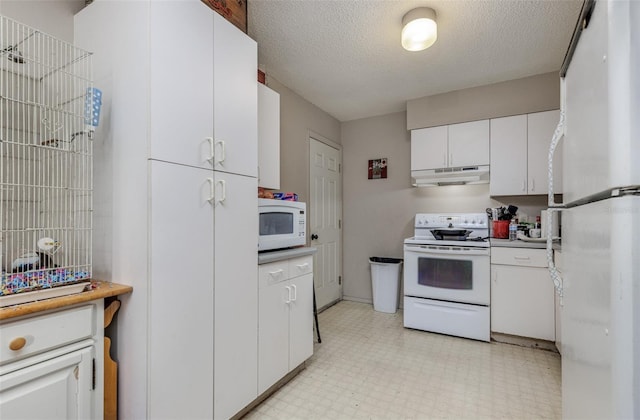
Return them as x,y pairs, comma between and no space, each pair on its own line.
314,236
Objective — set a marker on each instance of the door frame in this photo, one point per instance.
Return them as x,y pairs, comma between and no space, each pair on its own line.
312,135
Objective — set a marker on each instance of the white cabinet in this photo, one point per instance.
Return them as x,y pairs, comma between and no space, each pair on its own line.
469,144
465,144
509,156
196,288
285,318
429,148
181,309
51,365
522,294
181,110
519,150
176,202
203,112
268,138
540,129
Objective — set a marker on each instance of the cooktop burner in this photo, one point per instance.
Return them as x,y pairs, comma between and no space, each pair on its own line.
471,229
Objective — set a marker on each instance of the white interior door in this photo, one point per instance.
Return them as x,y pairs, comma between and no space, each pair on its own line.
325,220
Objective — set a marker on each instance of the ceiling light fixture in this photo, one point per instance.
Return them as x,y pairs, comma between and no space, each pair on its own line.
419,29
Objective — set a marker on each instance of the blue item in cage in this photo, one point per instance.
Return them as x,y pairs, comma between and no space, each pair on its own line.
92,104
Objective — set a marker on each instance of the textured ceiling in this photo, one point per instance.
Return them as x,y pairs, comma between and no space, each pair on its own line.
345,56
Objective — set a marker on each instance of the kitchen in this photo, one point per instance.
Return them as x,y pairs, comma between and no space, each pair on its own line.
389,204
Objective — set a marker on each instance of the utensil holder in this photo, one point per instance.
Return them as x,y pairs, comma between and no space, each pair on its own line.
500,229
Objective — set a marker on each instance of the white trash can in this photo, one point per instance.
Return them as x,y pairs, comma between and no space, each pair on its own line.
385,280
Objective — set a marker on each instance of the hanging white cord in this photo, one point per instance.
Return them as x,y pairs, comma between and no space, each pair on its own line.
553,207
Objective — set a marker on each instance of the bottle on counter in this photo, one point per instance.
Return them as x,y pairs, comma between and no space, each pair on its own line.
538,224
513,230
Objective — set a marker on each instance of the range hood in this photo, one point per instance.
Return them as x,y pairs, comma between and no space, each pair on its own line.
450,176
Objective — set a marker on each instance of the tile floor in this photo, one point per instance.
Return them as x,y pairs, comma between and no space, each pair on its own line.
369,367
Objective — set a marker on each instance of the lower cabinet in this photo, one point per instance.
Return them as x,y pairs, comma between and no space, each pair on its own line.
51,364
285,322
522,293
202,294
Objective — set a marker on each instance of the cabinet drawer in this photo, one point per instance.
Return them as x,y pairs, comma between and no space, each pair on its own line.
526,257
300,266
274,272
35,335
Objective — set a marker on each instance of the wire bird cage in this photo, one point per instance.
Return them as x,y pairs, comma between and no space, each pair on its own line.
48,113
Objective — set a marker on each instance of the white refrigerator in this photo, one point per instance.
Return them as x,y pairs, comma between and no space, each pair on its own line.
601,215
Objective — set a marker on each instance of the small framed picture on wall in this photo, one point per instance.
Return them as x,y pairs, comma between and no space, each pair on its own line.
378,168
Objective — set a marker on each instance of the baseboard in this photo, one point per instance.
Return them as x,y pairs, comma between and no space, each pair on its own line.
524,341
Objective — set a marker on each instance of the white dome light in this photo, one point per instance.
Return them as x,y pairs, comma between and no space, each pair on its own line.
419,29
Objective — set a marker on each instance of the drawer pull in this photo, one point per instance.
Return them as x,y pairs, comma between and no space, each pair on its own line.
17,343
277,273
303,267
521,258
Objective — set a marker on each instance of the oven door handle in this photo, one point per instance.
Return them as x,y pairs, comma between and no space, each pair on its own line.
450,250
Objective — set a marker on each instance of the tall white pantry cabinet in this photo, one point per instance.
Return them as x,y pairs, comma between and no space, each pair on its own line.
175,208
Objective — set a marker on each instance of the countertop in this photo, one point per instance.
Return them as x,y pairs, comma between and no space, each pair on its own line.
522,244
98,290
285,254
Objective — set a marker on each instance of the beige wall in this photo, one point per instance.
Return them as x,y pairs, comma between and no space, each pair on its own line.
514,97
297,118
54,17
378,214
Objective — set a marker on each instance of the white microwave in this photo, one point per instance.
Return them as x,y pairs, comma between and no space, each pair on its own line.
282,224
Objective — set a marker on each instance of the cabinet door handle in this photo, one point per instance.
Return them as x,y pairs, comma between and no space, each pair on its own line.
295,292
222,151
523,187
212,191
444,160
450,159
223,186
288,294
533,185
211,150
17,343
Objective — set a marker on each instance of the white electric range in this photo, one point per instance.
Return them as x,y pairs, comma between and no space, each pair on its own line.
447,275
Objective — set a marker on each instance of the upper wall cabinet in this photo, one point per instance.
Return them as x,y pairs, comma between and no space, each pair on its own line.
465,144
268,138
519,150
209,120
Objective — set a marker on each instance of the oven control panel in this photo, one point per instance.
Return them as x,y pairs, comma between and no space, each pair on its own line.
454,220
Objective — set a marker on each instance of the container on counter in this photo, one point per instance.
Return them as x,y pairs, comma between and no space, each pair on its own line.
501,229
513,230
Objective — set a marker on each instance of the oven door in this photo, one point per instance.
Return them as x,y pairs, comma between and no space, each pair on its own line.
449,273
